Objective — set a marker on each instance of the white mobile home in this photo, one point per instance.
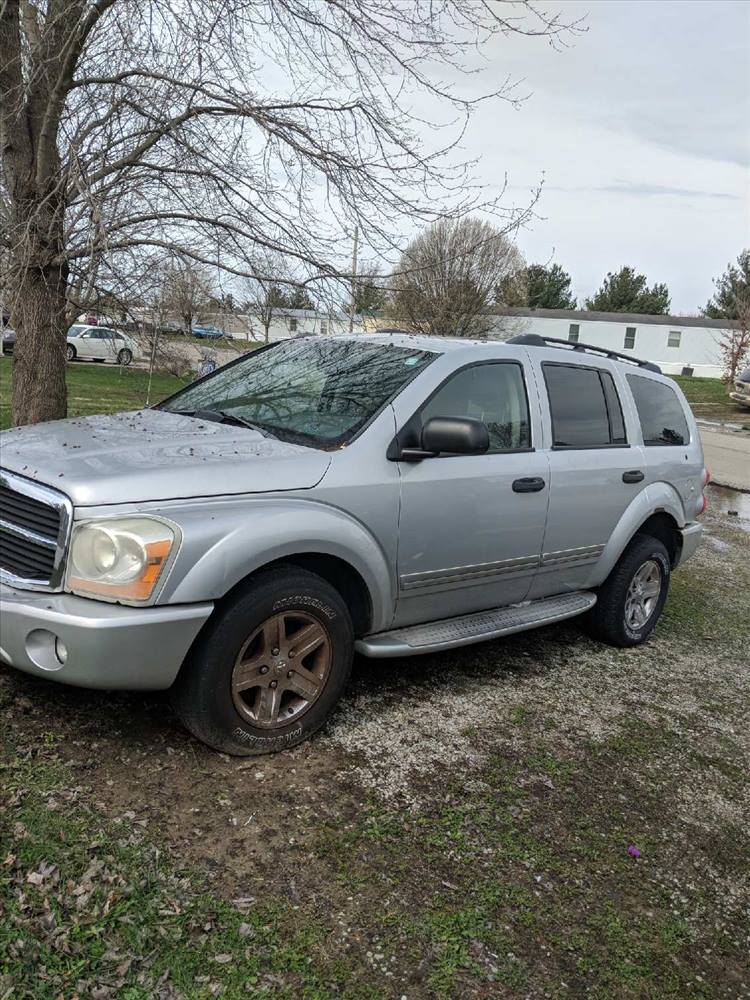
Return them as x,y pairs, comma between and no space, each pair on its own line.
672,342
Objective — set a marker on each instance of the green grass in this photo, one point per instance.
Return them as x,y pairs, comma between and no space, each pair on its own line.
709,400
90,903
95,388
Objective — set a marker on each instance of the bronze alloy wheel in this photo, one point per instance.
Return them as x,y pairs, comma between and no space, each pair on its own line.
281,669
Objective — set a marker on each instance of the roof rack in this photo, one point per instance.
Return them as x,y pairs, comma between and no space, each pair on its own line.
537,340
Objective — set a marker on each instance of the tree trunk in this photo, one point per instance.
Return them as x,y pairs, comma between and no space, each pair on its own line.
39,391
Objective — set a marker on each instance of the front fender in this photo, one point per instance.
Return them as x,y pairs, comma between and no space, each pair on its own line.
225,543
654,499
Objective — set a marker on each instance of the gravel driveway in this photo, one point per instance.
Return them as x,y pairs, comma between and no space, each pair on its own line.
542,816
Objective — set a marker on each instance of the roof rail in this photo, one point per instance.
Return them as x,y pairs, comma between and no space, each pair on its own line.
537,340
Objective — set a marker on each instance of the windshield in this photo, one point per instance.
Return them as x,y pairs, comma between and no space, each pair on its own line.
307,391
75,330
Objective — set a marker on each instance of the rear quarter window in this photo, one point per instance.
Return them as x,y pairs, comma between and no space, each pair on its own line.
659,411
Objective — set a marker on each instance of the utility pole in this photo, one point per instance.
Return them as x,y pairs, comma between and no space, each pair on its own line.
354,280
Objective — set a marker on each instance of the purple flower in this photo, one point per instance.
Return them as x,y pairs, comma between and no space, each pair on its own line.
633,851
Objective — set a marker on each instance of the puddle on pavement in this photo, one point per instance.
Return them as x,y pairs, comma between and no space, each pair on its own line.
735,506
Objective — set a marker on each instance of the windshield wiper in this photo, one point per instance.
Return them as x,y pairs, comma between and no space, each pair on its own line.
225,417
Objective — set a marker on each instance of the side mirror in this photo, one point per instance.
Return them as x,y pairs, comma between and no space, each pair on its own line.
455,435
449,435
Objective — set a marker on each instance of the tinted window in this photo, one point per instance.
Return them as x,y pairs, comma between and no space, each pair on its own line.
659,411
494,394
578,400
307,391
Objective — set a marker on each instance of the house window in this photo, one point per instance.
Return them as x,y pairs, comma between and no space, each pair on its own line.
323,327
293,325
629,338
574,332
674,338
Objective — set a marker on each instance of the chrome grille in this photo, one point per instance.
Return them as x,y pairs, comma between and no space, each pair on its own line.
34,527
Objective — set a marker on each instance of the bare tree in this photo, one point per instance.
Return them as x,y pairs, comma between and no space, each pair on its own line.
734,348
448,275
130,128
731,301
187,291
370,289
266,295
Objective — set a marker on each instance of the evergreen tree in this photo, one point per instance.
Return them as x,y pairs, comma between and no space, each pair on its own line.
627,291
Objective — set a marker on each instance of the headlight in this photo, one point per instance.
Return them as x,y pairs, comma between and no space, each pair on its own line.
120,558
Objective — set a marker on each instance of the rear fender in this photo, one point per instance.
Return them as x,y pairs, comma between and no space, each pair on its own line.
655,498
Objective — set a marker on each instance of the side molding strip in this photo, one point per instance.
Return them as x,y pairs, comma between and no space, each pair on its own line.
476,572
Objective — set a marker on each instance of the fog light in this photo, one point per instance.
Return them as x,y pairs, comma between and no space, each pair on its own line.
45,650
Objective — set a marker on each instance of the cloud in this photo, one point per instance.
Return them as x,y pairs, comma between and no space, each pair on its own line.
641,189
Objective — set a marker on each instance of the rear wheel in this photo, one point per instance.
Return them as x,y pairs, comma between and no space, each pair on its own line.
70,352
124,357
630,601
268,671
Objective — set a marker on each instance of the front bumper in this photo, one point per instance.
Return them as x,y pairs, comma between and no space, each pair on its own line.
740,397
108,646
691,539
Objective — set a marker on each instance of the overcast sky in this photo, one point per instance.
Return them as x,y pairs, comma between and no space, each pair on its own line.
642,132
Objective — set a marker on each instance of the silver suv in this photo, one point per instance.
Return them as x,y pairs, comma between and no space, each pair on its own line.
389,495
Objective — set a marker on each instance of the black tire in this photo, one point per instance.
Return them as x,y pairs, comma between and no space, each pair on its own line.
202,695
70,352
124,357
608,619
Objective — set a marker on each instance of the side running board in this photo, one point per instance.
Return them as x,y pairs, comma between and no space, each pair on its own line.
451,632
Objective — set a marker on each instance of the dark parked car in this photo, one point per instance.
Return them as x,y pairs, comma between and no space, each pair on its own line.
740,391
8,340
208,333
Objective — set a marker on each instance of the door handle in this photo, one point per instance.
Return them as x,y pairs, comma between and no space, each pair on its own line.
530,484
634,476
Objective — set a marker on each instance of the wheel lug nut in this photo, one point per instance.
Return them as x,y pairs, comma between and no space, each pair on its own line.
274,684
264,670
291,654
274,652
290,673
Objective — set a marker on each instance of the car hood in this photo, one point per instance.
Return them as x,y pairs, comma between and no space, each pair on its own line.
154,455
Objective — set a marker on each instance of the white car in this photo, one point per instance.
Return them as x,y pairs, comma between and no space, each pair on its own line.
101,344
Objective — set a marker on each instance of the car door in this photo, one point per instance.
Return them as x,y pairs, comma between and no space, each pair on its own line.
88,344
471,526
110,344
596,468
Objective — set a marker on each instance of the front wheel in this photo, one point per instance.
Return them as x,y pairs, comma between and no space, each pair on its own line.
630,601
124,357
70,352
269,669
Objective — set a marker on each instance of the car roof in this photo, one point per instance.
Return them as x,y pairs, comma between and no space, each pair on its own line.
575,354
415,341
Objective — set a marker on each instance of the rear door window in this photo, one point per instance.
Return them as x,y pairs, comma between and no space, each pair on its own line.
584,407
659,411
